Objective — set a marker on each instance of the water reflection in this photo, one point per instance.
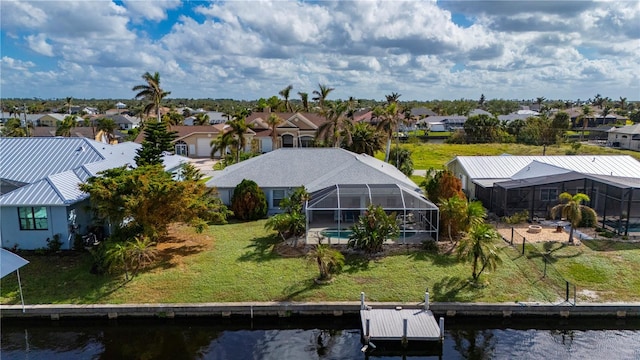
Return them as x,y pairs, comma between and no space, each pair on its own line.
310,338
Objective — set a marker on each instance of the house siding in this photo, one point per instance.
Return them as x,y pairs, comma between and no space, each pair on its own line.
33,239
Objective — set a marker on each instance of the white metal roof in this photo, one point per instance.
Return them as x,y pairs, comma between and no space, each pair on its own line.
504,167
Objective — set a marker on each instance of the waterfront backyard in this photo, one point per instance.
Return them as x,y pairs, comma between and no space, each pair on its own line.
243,262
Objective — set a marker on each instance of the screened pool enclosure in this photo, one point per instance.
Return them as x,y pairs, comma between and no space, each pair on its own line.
333,210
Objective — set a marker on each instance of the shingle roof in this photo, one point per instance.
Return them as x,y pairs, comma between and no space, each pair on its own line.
315,168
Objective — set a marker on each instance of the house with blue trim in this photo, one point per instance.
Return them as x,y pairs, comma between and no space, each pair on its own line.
39,186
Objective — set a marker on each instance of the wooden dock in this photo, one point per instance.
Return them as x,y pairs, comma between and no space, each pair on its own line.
389,325
399,326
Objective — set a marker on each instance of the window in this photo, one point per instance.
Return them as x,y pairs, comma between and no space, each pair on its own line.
277,196
181,148
548,194
306,141
287,141
33,218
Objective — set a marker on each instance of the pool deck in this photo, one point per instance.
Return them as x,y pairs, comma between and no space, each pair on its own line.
314,237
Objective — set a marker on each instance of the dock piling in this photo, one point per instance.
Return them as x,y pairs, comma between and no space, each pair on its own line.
362,300
441,323
426,300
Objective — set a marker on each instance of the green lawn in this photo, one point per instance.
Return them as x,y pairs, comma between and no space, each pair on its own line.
428,155
237,262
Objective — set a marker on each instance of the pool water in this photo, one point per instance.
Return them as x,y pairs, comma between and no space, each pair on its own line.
344,234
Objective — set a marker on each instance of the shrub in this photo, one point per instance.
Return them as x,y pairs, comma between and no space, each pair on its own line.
248,201
517,218
430,246
588,219
372,229
54,245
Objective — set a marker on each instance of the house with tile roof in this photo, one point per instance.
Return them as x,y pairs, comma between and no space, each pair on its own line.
39,178
194,141
296,130
341,183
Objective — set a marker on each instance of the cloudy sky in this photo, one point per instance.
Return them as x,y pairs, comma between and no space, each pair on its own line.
423,50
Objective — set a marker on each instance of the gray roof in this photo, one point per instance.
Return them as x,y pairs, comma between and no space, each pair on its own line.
52,168
314,168
504,167
619,182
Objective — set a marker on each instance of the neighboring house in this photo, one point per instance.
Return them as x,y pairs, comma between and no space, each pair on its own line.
193,141
296,130
341,183
448,122
508,184
626,137
80,131
215,117
422,112
125,122
50,119
39,178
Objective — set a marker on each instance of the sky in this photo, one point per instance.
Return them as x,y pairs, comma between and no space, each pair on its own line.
246,50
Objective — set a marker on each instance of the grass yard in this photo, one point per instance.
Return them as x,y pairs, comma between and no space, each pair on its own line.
241,262
429,155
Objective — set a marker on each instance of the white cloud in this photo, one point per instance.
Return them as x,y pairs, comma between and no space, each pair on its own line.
154,10
11,63
38,43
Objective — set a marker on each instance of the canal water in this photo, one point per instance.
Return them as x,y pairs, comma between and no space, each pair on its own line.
311,338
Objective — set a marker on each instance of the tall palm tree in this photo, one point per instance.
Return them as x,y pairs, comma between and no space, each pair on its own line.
587,112
392,98
68,103
478,247
539,101
364,139
222,142
304,97
623,103
151,93
274,121
335,128
285,94
571,208
238,129
321,94
388,124
65,126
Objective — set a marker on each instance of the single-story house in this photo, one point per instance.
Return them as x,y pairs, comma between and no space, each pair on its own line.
508,184
53,119
39,178
296,130
449,122
124,121
626,137
341,184
194,141
79,131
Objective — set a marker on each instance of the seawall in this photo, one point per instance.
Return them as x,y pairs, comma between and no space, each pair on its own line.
291,309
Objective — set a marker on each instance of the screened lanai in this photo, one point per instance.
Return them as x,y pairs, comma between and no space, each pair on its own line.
333,210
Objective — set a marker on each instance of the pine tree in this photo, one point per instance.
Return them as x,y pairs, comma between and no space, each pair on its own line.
157,139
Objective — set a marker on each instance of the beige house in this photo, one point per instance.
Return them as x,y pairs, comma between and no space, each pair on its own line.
626,137
296,130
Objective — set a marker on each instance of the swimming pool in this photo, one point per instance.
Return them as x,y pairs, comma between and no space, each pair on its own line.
344,234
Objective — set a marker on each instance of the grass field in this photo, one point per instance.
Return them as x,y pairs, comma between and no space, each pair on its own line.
240,262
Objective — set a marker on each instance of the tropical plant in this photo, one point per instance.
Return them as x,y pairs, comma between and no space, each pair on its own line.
571,208
479,248
364,139
65,126
157,139
130,256
201,119
151,93
274,121
304,98
442,185
248,201
372,229
587,112
13,128
146,199
452,212
321,94
288,225
401,159
238,128
388,125
335,130
108,128
328,259
285,95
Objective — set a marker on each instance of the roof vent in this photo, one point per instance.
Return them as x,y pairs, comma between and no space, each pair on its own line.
80,149
594,159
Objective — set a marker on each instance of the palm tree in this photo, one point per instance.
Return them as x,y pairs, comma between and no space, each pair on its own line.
401,159
108,127
571,208
68,103
285,94
238,129
329,261
586,114
304,97
478,247
392,98
65,126
274,121
364,139
221,143
539,101
321,94
151,93
623,102
201,119
335,128
389,125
